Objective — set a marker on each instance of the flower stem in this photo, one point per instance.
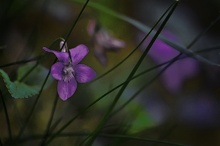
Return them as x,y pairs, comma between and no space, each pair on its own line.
74,24
50,121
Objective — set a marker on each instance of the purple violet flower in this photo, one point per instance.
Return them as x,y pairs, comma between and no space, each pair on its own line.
68,71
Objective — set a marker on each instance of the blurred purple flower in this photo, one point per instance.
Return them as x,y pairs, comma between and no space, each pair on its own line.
200,109
68,71
102,41
179,71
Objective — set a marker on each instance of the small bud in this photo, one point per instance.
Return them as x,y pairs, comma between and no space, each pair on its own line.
63,46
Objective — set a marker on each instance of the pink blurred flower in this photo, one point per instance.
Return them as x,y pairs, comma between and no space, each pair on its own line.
103,41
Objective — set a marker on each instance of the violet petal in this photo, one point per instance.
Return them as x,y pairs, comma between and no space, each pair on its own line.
78,53
66,89
61,56
84,73
56,70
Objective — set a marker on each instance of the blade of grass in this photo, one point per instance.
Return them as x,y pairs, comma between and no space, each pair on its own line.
73,26
32,39
106,116
204,32
155,67
29,71
170,62
173,127
6,116
76,116
29,60
145,29
33,107
110,12
132,52
145,85
180,58
56,123
118,136
21,62
47,130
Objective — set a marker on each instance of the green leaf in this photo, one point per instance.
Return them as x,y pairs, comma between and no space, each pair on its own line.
21,90
32,76
17,89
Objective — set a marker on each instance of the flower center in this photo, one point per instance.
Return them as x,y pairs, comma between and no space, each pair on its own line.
68,73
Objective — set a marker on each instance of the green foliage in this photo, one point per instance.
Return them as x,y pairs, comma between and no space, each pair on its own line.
17,89
141,121
31,84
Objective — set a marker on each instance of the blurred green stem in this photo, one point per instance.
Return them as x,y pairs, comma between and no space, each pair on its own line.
47,131
6,115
